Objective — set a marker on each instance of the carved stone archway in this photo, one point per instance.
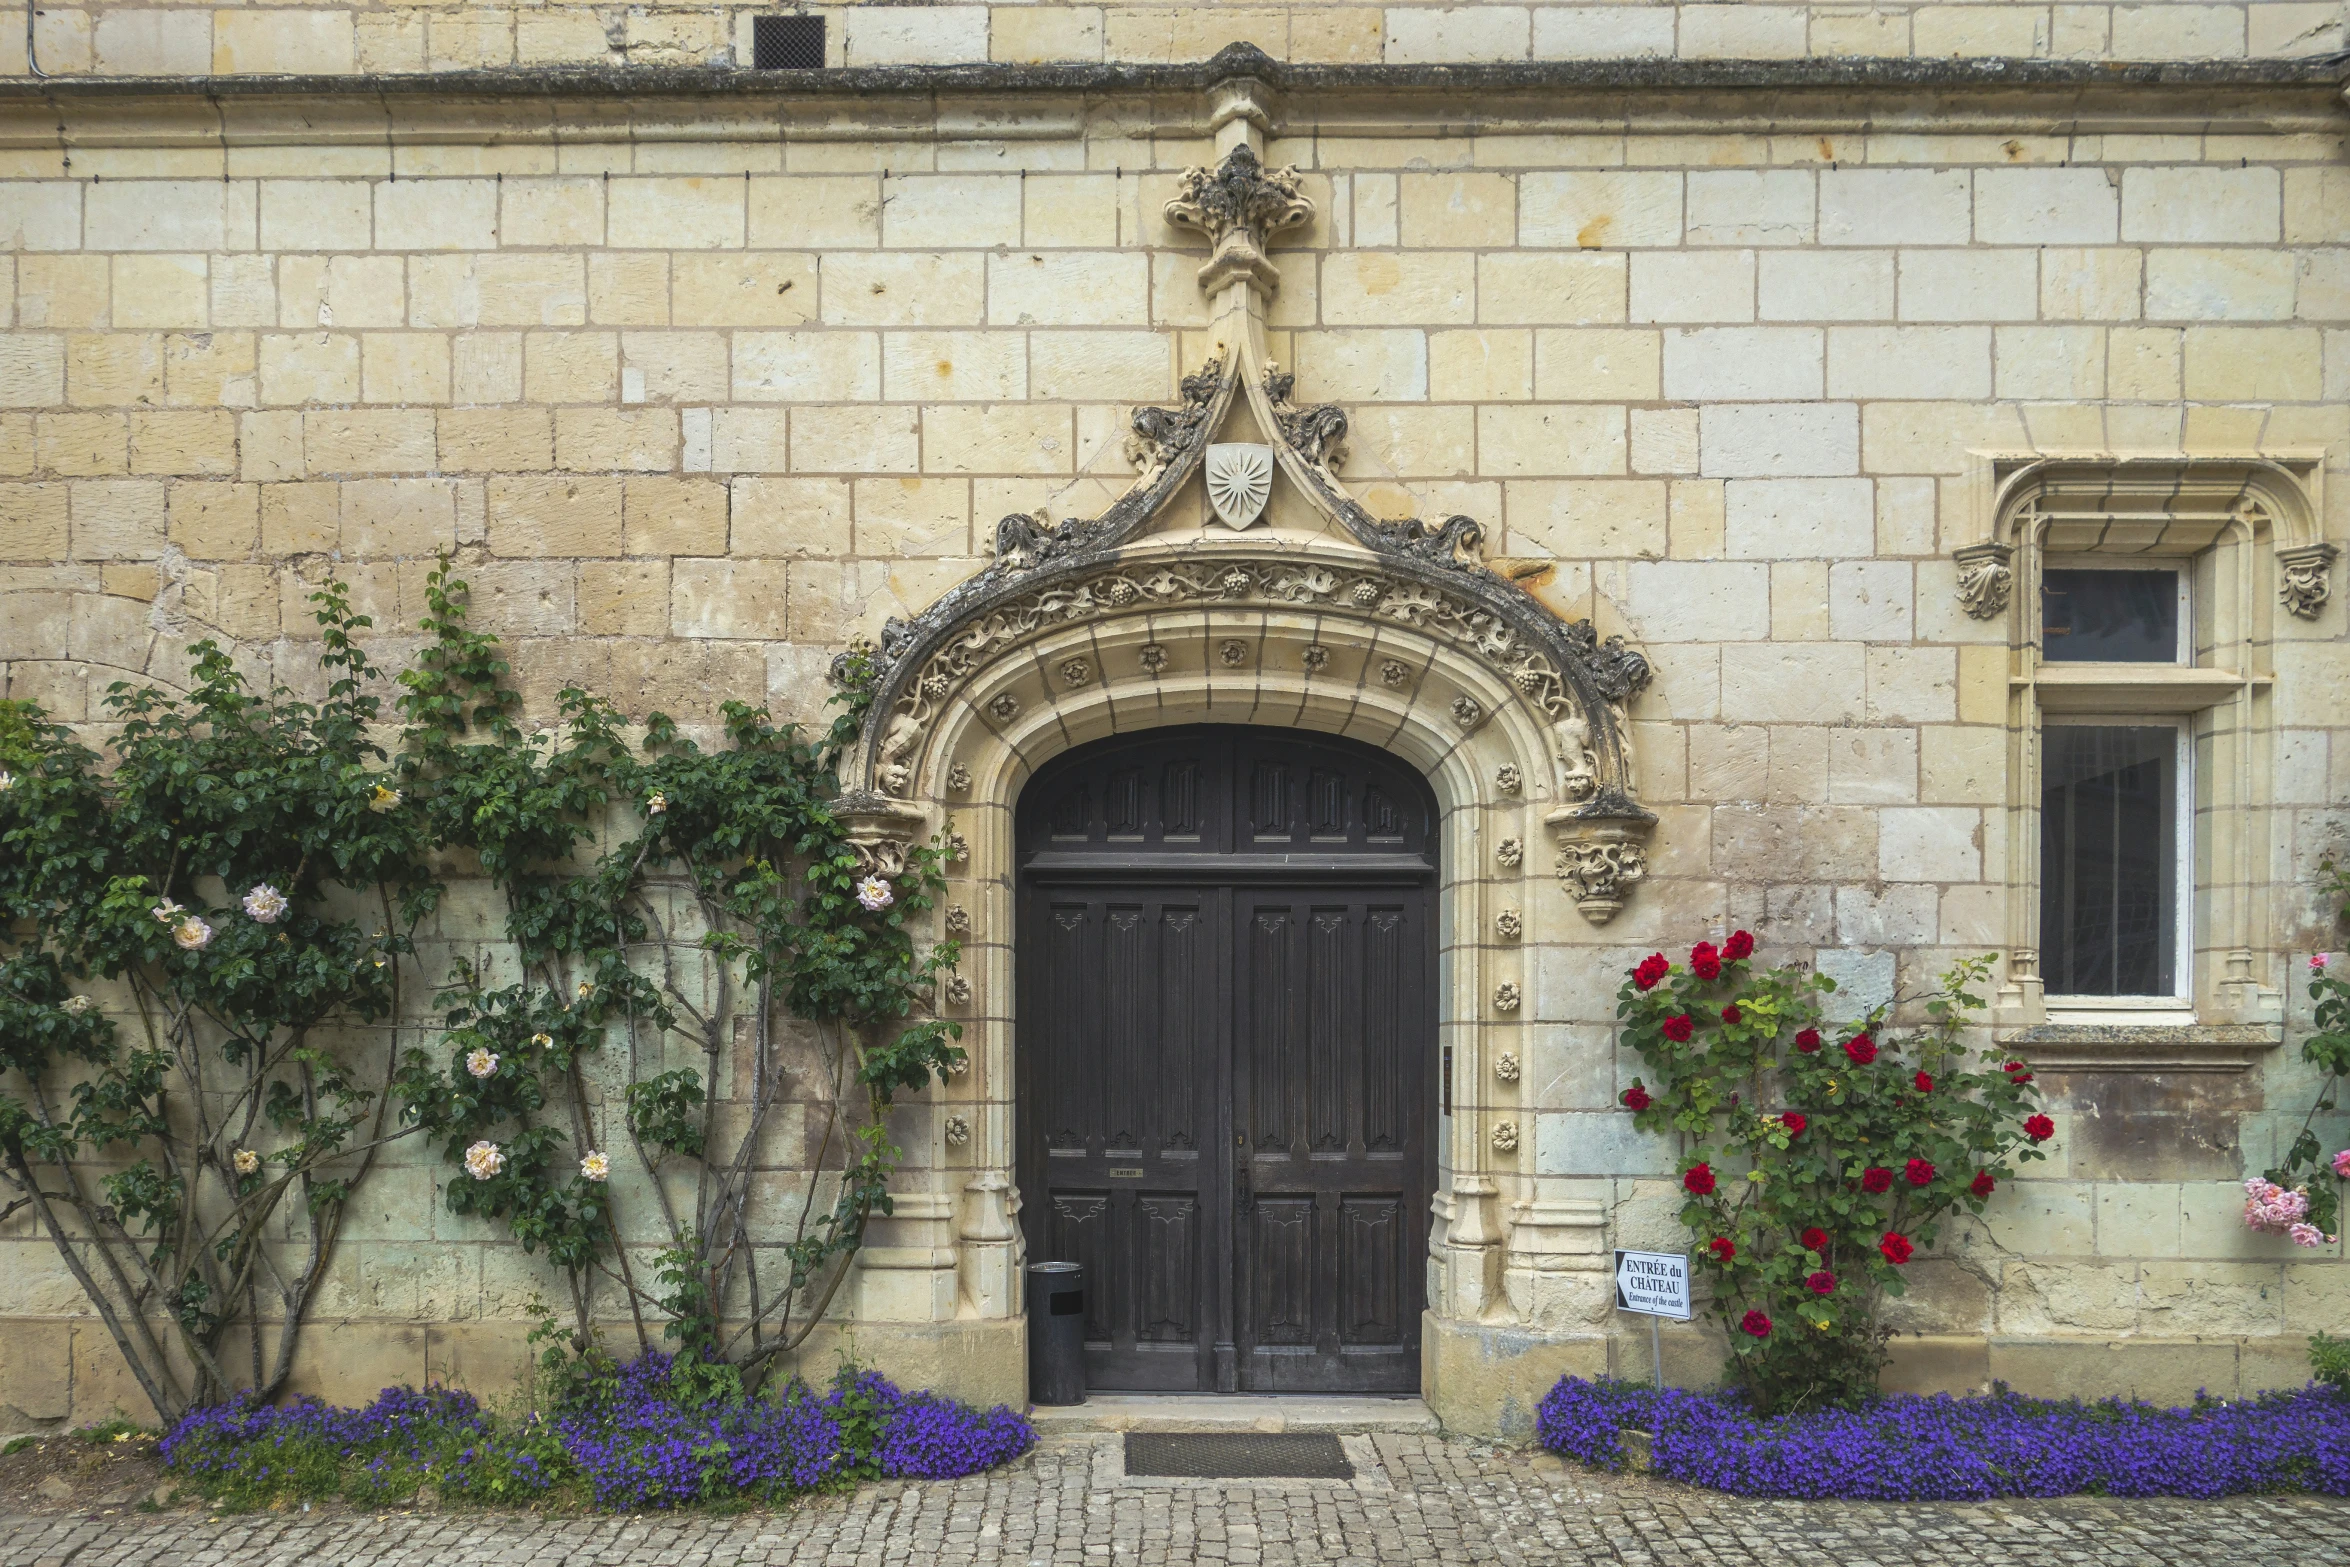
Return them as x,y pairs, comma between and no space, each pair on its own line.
1390,631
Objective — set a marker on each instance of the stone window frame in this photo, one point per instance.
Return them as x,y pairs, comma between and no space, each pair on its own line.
2236,522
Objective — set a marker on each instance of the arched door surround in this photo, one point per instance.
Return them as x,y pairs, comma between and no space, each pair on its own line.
1328,620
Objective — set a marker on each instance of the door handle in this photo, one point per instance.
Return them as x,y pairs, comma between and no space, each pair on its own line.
1242,1198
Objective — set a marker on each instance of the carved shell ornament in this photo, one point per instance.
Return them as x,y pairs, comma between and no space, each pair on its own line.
1240,481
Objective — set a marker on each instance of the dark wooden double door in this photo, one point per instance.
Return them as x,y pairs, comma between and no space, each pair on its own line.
1227,1024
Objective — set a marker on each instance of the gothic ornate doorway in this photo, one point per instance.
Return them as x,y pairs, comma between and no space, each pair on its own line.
1226,975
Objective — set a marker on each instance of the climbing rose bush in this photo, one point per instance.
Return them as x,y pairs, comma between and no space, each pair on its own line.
1907,1448
1815,1163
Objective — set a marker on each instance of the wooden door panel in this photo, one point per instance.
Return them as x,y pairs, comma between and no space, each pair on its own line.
1123,1022
1226,1045
1371,1263
1333,1015
1168,1230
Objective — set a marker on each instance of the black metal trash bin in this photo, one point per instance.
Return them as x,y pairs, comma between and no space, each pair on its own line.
1056,1333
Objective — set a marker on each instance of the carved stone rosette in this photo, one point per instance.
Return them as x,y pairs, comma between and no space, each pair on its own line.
1986,578
1599,858
2307,579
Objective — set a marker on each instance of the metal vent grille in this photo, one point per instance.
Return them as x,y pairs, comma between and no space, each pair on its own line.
1237,1455
787,43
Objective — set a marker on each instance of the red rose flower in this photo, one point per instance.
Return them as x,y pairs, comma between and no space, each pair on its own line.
2016,1073
1861,1049
1896,1249
1731,1014
2039,1128
1636,1098
1755,1323
1920,1173
1679,1027
1925,1083
1982,1183
1652,968
1795,1121
1821,1283
1699,1179
1740,945
1705,960
1815,1239
1808,1041
1723,1248
1876,1178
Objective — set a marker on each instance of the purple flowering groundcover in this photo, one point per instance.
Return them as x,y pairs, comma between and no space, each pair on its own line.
643,1439
1903,1447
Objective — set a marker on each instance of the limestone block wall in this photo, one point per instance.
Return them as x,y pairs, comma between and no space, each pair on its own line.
695,400
135,39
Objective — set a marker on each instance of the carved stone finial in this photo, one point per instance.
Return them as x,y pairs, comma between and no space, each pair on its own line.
2308,579
1239,205
1985,578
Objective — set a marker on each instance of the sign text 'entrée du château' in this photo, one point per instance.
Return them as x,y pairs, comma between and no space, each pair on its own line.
1653,1283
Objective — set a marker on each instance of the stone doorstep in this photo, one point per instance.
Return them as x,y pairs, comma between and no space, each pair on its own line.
1233,1412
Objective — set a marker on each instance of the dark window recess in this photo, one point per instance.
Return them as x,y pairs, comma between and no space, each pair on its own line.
787,43
2110,617
2109,860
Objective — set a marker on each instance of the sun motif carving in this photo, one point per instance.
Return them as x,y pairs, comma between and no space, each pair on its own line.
1240,481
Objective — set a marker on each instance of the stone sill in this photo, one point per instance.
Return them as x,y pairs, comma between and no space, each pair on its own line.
2142,1047
2003,75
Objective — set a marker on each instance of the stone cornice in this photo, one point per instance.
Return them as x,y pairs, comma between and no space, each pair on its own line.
983,100
1995,74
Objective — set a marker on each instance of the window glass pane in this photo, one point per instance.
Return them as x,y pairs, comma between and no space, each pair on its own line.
2122,617
2109,860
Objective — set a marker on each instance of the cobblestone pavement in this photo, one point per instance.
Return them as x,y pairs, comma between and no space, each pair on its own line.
1415,1499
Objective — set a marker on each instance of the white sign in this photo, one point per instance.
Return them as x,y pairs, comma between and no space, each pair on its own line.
1653,1283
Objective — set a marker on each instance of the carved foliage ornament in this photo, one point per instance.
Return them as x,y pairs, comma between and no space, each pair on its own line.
1239,206
1451,618
1597,872
1985,579
2307,581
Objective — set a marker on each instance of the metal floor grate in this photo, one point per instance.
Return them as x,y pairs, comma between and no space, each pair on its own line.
1237,1455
